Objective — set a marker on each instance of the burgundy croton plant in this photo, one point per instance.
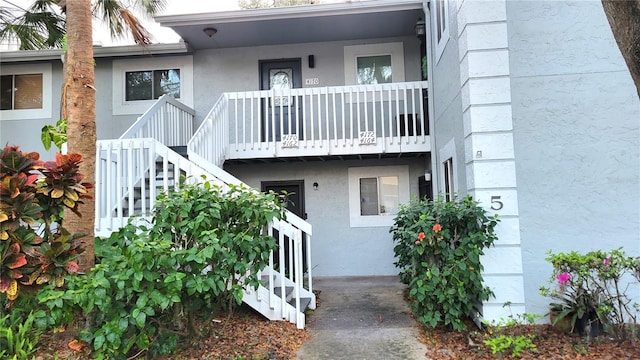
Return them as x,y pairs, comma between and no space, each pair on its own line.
34,247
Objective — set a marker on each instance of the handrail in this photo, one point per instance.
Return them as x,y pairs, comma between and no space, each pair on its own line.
119,162
167,120
332,120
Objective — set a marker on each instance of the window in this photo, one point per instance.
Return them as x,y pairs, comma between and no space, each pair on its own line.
379,195
374,69
21,92
25,92
447,182
374,63
147,85
375,194
448,179
440,16
138,83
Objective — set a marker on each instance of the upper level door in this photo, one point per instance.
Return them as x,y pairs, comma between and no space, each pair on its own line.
281,116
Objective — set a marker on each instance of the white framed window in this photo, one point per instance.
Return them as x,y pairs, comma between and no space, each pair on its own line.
138,83
25,92
375,194
448,181
440,24
374,63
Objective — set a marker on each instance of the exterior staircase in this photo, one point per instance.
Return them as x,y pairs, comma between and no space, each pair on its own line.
151,156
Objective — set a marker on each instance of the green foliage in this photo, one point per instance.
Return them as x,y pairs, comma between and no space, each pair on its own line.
590,286
18,336
205,245
438,249
501,342
56,134
33,194
515,345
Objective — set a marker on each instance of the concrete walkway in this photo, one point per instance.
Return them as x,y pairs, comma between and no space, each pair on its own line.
362,318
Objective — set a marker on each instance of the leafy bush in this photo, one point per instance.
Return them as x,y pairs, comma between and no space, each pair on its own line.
438,249
33,195
204,246
18,335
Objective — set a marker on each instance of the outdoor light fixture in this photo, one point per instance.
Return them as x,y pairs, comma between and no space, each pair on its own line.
315,186
419,28
210,31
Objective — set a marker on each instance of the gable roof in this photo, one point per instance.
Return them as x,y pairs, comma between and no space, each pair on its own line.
298,24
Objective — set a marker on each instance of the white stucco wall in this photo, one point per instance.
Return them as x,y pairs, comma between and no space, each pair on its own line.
337,248
576,118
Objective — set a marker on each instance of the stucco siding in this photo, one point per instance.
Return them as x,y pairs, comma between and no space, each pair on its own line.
576,120
337,248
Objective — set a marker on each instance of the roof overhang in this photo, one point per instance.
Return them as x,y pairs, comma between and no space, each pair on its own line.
98,52
297,24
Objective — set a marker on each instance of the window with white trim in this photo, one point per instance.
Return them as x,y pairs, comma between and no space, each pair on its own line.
374,63
151,84
440,23
138,83
449,188
25,92
375,194
448,183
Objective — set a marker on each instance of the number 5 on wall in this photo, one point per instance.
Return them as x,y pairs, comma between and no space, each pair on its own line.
496,204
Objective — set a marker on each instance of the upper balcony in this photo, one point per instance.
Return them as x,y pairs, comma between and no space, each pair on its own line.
315,122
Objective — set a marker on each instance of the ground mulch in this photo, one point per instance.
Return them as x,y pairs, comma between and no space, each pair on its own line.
550,344
248,335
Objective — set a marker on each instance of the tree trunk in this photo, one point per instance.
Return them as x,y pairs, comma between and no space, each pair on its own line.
624,19
79,105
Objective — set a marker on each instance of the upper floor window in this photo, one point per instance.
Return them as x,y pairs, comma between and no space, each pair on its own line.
21,92
374,69
440,21
151,84
374,63
138,82
25,92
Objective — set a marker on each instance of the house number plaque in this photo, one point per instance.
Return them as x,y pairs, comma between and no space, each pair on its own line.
367,138
289,141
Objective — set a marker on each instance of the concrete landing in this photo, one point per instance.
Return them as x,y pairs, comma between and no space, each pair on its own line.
362,318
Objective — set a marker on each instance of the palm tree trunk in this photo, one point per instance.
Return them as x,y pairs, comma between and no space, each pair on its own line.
79,105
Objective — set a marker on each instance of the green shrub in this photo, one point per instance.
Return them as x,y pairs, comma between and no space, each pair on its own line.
204,246
438,249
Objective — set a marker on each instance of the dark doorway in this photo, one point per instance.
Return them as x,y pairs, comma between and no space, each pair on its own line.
285,110
292,195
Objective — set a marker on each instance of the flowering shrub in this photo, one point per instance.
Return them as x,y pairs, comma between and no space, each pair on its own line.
438,249
589,290
33,195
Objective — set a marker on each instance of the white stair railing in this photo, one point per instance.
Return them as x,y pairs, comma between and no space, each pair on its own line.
118,197
167,120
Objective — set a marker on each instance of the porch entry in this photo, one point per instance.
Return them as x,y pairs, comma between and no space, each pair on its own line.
281,113
293,200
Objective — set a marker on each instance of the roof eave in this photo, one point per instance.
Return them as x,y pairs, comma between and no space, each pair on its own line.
299,11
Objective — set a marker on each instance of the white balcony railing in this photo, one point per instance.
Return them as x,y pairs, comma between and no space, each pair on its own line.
338,120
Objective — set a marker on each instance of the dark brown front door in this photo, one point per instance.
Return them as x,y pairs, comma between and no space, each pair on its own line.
292,196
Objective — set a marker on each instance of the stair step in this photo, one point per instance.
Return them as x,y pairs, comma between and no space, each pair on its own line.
304,303
288,290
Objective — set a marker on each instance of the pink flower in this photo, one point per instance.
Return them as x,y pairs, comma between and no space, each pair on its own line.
606,261
437,228
563,278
